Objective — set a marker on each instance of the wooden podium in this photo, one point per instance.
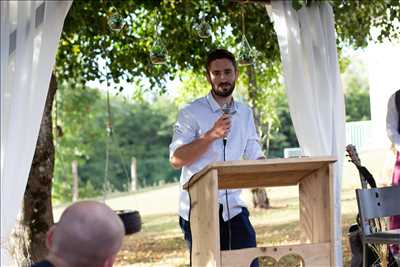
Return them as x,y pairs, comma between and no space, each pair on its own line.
314,177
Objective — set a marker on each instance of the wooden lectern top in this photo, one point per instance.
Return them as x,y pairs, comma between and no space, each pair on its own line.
262,173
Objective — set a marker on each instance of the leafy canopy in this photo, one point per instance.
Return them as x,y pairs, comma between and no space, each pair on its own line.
88,41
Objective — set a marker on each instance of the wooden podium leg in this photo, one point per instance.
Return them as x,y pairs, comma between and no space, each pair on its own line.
204,221
315,197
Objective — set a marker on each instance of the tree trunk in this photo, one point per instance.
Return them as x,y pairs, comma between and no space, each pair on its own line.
260,197
37,209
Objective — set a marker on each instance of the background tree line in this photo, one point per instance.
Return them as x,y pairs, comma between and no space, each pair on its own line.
140,130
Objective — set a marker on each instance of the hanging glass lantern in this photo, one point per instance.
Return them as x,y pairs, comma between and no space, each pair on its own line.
246,54
204,29
116,22
158,53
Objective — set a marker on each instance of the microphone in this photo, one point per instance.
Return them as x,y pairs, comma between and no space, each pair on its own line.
226,109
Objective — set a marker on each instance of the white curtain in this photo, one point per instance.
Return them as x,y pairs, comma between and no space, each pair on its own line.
307,45
30,31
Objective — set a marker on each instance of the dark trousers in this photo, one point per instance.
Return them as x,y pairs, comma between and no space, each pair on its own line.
242,232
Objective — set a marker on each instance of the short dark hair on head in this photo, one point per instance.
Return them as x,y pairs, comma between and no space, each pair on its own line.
219,54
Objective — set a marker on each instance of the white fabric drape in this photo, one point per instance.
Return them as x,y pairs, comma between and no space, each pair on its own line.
307,45
30,31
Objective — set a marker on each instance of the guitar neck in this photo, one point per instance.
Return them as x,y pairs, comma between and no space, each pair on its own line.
363,172
366,178
364,184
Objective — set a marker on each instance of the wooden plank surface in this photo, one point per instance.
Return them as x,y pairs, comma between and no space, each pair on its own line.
315,207
204,221
269,179
317,254
332,215
284,171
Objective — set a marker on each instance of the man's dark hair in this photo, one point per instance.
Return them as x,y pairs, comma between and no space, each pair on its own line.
219,54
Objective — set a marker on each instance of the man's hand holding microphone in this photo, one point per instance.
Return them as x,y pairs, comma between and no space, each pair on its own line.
222,126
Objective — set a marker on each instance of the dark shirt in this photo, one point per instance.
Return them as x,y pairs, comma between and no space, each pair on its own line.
44,263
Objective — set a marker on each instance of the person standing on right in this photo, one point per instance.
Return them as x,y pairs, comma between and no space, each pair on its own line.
393,132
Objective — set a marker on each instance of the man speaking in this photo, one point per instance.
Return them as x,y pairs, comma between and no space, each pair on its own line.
217,128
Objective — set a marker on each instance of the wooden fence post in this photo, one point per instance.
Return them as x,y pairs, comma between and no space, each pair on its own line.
75,179
133,175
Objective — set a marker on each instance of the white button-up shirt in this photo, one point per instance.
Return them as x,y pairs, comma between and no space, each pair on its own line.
392,122
197,118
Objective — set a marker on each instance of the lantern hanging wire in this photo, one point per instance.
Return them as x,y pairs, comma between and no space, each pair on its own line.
246,54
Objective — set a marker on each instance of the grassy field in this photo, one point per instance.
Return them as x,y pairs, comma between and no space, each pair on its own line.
160,243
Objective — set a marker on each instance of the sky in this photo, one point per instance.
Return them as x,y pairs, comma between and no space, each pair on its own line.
129,88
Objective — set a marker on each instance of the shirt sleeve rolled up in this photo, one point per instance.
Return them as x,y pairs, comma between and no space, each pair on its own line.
184,131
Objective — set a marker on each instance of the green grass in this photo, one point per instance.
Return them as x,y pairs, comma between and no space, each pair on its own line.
160,243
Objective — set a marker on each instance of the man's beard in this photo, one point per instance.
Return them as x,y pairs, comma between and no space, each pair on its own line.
225,92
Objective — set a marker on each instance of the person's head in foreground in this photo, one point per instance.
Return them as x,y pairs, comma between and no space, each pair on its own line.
89,233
